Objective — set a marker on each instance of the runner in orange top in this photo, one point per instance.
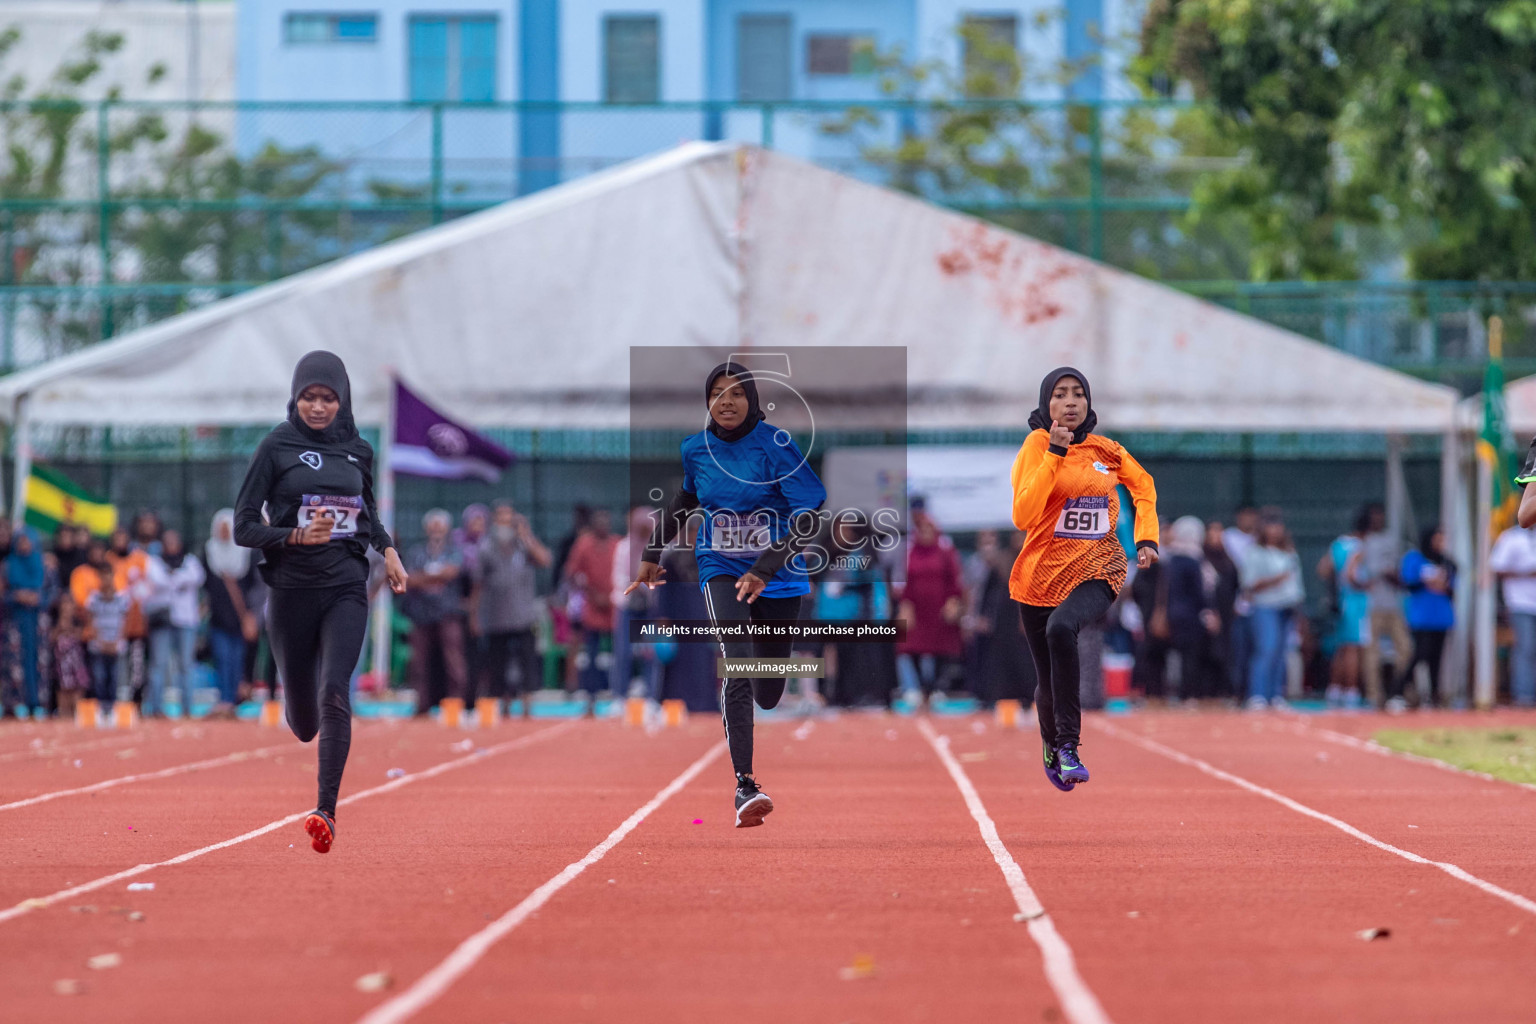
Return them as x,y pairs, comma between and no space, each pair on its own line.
1072,565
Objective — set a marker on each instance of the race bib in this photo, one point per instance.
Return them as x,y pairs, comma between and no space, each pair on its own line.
1084,519
731,534
343,509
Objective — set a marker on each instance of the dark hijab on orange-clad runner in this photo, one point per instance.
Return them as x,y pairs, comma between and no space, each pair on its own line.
1040,418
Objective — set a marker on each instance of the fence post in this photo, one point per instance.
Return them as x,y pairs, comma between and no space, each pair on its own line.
767,125
8,276
274,245
437,163
104,212
186,481
108,458
1096,181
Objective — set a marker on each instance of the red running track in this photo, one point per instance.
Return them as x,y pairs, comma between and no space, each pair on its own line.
869,896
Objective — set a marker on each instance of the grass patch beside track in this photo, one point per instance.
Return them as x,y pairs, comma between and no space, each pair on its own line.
1507,753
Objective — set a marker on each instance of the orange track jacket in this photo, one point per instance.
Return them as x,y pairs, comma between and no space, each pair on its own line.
1068,506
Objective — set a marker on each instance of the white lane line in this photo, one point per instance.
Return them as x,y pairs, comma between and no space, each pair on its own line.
1077,1000
1513,898
39,902
430,986
66,751
163,773
1372,747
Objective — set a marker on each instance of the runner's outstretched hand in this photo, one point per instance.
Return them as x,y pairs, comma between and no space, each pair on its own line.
650,575
749,587
1060,435
395,572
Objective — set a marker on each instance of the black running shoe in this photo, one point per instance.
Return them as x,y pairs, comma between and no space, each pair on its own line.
752,804
1071,768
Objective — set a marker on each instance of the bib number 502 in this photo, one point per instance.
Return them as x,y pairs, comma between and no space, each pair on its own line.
342,525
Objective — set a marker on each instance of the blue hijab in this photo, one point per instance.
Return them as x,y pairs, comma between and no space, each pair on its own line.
25,572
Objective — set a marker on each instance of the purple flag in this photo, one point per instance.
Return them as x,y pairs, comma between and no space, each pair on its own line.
427,443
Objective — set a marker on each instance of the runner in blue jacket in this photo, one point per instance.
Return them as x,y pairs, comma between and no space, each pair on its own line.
753,498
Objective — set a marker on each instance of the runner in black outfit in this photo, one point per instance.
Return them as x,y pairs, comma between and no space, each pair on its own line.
313,475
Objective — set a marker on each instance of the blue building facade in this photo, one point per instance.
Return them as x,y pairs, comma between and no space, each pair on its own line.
609,69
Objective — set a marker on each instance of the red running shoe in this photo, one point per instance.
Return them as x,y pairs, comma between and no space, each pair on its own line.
322,831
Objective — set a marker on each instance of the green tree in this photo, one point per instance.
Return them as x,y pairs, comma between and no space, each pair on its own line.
1365,126
186,207
969,140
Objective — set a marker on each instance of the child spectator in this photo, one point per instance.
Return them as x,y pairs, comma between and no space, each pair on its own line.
108,608
72,673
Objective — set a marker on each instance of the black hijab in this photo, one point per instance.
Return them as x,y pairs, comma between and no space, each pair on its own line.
1040,419
68,558
754,414
327,370
1427,548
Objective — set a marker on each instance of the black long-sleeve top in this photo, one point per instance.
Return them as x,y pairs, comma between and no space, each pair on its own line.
290,472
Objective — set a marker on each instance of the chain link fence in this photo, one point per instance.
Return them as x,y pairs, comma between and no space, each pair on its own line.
186,475
117,214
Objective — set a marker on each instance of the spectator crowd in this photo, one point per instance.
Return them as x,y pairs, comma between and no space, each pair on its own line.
493,611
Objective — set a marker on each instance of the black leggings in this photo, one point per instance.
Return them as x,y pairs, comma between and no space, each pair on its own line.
737,695
1052,636
317,637
502,651
1428,647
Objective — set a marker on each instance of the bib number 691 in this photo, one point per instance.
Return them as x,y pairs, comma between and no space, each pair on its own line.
1081,521
1084,518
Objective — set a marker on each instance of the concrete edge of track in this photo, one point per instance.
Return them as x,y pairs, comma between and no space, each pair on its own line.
1512,898
1344,739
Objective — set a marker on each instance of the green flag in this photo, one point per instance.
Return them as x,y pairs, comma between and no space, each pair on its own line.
53,498
1495,445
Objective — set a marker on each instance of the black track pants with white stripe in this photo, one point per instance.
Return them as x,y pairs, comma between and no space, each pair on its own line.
737,695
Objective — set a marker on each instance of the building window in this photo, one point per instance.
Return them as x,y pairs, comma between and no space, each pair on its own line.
313,27
762,58
991,61
453,60
632,58
839,55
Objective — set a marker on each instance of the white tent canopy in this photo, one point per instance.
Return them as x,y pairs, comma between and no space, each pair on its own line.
523,315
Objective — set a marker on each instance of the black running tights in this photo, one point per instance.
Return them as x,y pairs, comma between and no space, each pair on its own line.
737,695
1052,637
317,637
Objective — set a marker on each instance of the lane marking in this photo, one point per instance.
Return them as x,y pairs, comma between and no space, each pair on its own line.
1344,739
66,751
1512,898
39,902
163,773
1077,1000
431,986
